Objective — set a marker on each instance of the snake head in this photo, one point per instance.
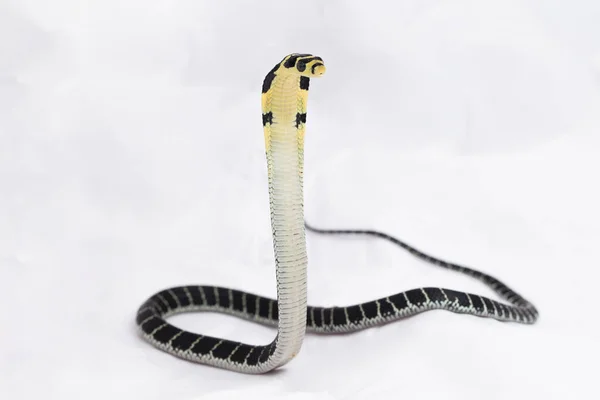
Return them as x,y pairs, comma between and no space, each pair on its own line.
304,64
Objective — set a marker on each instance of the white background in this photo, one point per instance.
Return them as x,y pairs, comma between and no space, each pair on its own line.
131,159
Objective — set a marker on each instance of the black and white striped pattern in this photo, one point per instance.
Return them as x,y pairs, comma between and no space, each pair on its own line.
520,310
206,349
152,314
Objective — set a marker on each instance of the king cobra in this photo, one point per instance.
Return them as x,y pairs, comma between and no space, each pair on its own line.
284,102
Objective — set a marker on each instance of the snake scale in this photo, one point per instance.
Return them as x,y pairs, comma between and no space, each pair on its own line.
284,102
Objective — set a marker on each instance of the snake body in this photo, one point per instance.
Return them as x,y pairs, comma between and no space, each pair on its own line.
284,102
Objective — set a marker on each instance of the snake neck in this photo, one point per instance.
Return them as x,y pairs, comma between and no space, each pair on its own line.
284,140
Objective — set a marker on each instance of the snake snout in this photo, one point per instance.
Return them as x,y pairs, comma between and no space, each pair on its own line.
318,69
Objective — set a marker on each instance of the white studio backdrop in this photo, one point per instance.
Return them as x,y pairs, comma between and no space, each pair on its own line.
131,160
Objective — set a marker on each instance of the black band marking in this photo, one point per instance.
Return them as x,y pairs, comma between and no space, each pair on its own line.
211,299
184,341
160,304
275,309
386,308
326,317
254,354
300,119
205,345
238,304
370,309
251,304
267,118
462,298
166,333
196,295
477,303
488,304
144,315
304,82
224,350
240,354
264,307
150,325
339,316
399,301
435,295
354,314
223,297
317,315
264,354
416,297
182,297
269,79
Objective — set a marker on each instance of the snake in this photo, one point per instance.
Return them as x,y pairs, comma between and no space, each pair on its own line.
284,105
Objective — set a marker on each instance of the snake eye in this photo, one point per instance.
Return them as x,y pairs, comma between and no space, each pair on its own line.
301,66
